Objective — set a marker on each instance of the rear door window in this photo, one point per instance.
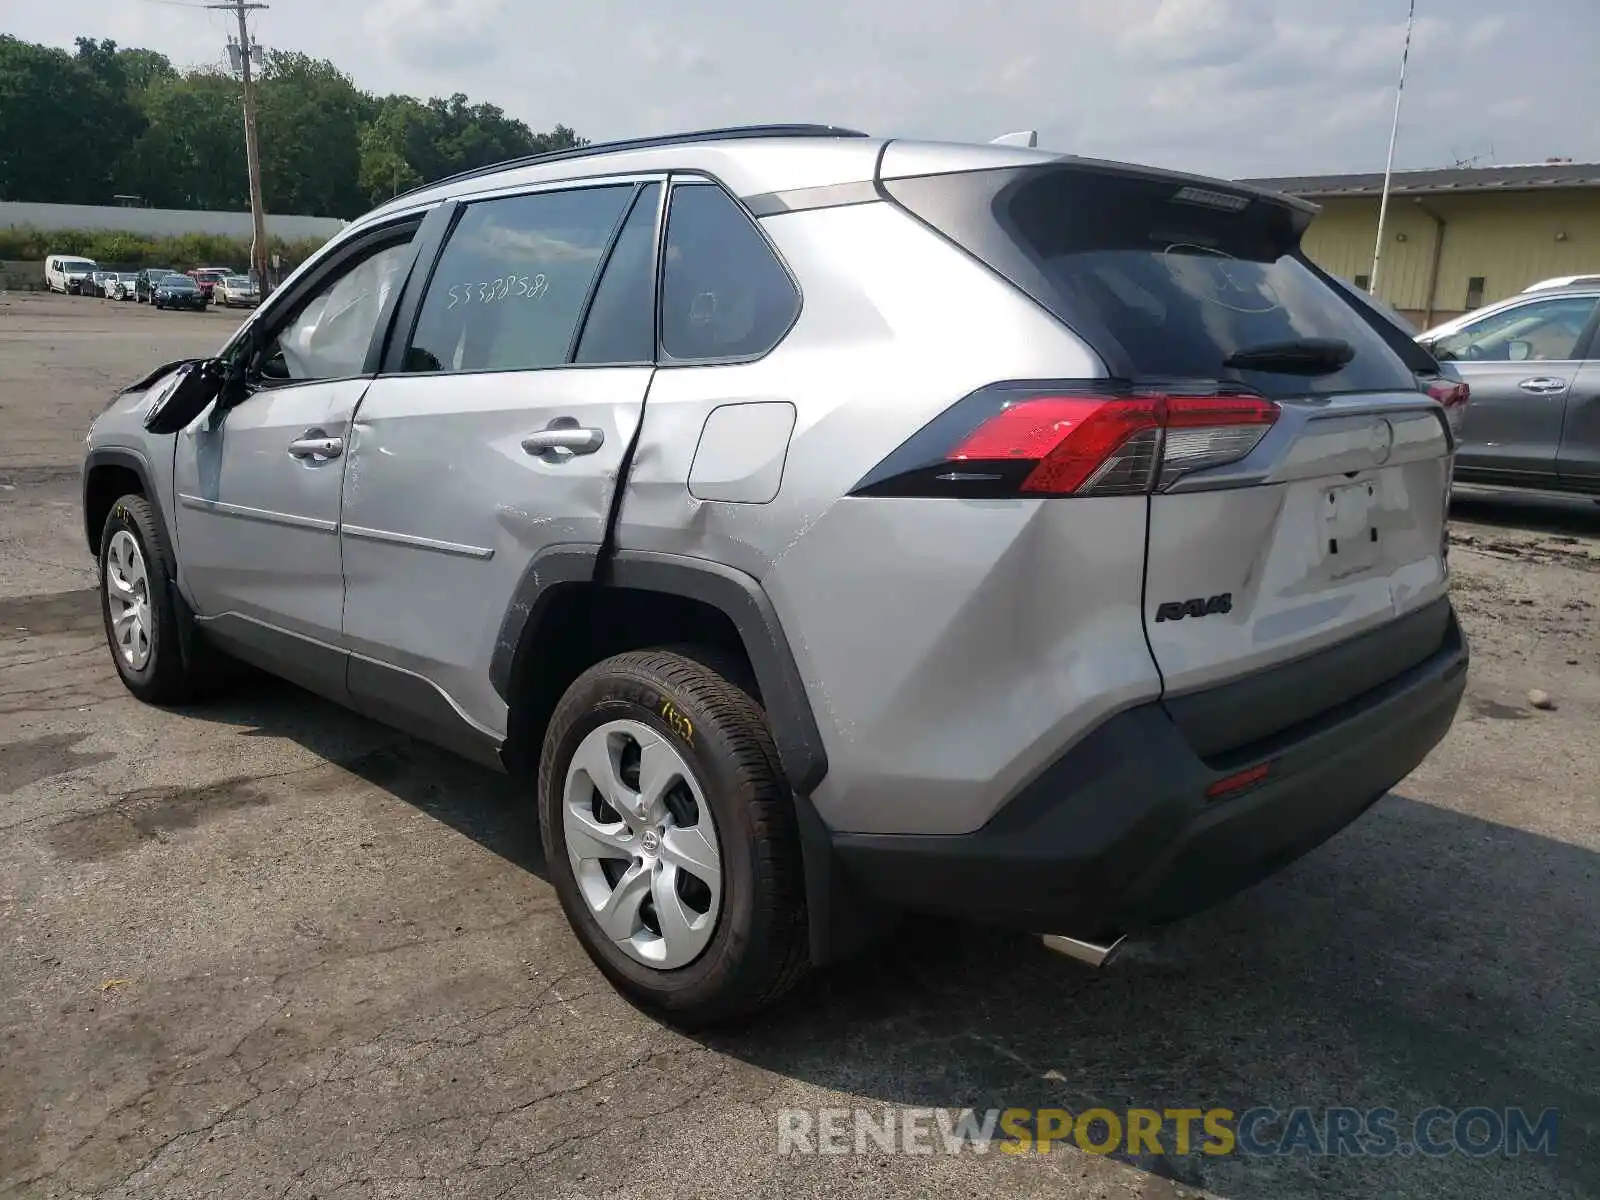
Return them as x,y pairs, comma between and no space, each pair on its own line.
621,325
724,294
1164,280
513,279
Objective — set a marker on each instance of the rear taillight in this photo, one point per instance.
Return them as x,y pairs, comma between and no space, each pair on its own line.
1449,393
1070,440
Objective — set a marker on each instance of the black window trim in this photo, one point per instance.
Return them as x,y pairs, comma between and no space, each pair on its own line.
409,311
657,224
289,300
700,179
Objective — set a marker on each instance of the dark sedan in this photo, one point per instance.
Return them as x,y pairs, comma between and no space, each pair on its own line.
178,291
144,284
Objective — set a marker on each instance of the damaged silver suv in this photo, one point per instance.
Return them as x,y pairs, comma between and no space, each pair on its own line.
827,527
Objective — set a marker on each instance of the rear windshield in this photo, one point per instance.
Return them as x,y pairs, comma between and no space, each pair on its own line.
1165,281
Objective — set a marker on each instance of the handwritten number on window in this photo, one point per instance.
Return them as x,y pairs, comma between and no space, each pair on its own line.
492,291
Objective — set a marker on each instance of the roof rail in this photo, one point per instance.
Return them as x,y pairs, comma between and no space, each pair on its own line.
1022,137
728,134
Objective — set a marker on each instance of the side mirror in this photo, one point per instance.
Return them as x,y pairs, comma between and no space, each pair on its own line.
1519,350
197,385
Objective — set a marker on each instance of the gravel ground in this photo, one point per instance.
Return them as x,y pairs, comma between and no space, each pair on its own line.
267,948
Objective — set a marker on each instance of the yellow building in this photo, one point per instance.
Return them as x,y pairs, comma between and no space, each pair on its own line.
1455,239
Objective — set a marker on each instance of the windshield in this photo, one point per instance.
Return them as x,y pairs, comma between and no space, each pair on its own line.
79,266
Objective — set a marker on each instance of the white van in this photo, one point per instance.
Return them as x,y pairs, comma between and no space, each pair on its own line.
68,273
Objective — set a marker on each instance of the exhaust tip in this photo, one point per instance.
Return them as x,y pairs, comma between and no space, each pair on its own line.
1093,954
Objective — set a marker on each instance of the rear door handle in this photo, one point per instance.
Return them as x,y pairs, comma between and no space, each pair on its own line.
562,439
316,444
1543,384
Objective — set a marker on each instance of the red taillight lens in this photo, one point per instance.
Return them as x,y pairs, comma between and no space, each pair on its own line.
1072,442
1106,446
1046,440
1451,395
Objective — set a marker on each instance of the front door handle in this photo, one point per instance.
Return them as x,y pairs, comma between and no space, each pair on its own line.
315,444
1543,385
562,439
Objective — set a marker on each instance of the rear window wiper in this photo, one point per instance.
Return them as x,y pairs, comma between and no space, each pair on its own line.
1304,356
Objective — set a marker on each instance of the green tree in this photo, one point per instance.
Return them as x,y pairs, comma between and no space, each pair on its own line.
60,124
309,115
399,148
144,68
79,126
191,154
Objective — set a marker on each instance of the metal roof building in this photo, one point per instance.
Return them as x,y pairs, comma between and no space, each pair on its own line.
1456,237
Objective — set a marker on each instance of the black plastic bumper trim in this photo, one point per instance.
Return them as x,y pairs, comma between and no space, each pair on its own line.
1118,834
1224,723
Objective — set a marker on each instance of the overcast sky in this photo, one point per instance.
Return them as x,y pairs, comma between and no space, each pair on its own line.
1229,87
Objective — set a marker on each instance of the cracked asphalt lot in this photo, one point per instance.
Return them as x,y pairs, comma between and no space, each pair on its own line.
264,948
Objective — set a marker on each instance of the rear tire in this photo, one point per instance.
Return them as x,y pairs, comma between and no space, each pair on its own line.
698,878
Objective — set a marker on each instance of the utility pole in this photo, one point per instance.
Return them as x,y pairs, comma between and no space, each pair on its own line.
252,149
1388,169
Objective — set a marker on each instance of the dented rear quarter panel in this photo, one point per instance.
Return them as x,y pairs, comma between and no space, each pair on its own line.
950,649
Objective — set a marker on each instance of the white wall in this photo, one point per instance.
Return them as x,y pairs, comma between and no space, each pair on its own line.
161,221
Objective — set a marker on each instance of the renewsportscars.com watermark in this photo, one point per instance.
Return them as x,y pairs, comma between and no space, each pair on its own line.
1255,1132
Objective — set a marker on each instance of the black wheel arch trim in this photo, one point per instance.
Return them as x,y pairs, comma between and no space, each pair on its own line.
132,460
736,595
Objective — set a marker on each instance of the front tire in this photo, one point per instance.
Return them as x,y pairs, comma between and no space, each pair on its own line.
670,836
140,607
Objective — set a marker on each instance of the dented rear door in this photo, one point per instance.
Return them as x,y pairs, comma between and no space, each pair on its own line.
519,387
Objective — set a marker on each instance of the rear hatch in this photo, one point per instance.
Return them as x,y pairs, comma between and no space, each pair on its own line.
1321,514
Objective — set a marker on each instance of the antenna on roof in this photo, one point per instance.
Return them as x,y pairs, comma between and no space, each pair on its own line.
1022,137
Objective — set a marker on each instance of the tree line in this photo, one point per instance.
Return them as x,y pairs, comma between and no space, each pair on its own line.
83,127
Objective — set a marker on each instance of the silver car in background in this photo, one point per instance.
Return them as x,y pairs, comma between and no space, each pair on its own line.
825,528
236,291
1533,366
121,285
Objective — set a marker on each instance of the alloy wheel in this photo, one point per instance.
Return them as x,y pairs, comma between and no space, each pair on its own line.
127,586
642,844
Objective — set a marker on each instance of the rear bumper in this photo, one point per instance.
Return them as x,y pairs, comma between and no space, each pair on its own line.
1119,834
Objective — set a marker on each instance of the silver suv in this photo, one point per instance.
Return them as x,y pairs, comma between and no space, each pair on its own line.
828,527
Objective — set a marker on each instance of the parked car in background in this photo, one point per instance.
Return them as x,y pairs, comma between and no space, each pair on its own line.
97,282
178,291
1440,380
145,282
236,291
1561,281
68,273
1533,365
952,611
207,278
120,286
